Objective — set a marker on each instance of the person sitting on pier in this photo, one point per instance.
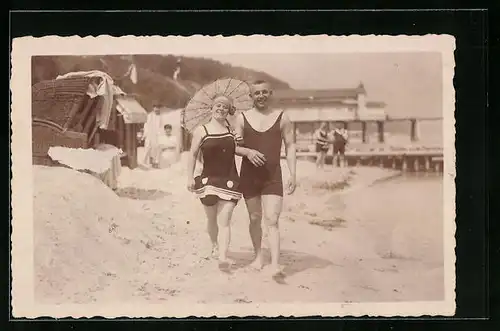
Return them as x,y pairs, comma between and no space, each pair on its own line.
340,139
322,144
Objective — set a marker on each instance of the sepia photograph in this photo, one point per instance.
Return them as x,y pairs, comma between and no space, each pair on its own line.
205,176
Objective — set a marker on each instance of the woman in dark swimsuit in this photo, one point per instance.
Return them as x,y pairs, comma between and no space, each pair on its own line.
322,144
218,185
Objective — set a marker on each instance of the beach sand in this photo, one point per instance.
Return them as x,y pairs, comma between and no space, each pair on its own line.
148,243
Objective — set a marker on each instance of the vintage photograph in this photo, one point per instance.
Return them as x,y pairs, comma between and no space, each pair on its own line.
218,179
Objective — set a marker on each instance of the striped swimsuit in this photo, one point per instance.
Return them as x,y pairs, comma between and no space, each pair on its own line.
219,178
322,142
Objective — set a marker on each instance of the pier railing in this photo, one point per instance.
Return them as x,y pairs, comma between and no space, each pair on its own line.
408,159
408,154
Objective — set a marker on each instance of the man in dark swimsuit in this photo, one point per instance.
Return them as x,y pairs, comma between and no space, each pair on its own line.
339,144
262,130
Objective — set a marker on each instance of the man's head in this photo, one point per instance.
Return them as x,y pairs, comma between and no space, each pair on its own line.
168,129
324,126
260,92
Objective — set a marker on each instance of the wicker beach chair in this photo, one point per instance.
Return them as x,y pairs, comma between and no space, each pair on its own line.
62,115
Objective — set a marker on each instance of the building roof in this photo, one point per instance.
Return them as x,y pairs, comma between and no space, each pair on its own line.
324,94
375,104
131,110
342,96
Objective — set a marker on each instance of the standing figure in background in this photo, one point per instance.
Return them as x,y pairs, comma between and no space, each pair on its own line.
322,144
169,146
340,139
152,130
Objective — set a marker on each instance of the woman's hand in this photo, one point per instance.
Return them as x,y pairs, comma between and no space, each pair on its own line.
190,184
255,157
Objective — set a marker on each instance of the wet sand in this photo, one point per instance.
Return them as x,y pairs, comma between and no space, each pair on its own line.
148,243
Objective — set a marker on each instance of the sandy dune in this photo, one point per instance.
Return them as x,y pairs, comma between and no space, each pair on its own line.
147,243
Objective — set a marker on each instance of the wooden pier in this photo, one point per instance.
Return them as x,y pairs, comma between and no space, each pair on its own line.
413,121
413,156
422,160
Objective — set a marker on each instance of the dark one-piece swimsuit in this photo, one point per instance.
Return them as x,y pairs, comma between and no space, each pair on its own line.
266,179
219,178
322,142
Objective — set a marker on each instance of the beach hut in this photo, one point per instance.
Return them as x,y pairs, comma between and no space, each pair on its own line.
126,120
70,112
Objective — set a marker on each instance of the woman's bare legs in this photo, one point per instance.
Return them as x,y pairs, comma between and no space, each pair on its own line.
224,214
212,228
319,159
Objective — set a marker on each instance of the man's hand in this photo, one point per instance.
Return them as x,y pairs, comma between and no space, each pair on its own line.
255,157
291,185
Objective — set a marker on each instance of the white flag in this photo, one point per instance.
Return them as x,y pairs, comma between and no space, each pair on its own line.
133,73
176,73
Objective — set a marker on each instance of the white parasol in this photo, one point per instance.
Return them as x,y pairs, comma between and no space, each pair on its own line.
199,109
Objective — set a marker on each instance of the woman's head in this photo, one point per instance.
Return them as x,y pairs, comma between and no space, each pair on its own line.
221,107
168,129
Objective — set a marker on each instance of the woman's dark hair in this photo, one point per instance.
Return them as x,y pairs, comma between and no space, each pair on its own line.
167,126
232,110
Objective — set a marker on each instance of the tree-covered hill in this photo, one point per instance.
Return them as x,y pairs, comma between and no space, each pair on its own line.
154,72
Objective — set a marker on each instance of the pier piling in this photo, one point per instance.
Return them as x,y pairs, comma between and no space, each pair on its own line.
404,166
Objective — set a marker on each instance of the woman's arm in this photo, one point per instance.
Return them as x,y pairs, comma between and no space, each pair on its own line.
255,157
193,154
238,133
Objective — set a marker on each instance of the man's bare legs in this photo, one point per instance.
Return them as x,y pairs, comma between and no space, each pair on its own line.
254,208
342,162
267,209
212,228
335,161
272,206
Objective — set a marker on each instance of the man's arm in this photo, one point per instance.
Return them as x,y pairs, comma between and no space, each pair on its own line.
316,134
290,148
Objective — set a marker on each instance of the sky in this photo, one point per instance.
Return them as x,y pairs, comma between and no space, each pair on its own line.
409,83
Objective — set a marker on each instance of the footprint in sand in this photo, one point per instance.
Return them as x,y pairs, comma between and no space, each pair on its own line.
225,267
243,300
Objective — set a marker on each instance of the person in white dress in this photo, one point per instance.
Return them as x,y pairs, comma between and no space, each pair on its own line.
152,130
169,146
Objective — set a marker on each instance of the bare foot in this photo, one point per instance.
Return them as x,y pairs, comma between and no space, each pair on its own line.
257,264
215,252
276,270
277,274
